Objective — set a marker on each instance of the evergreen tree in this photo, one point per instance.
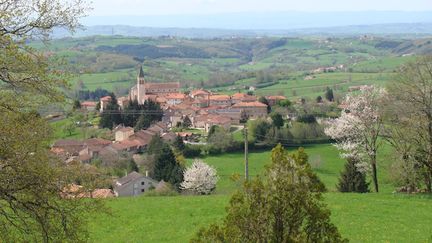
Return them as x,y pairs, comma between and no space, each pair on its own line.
143,122
263,100
277,119
166,166
187,122
155,144
111,116
179,144
319,99
351,180
329,94
131,113
76,105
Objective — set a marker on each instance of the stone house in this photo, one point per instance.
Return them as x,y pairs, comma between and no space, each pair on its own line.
123,133
241,97
220,100
104,102
175,98
133,184
273,99
252,110
88,105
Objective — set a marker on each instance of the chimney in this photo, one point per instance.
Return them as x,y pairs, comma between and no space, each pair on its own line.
146,173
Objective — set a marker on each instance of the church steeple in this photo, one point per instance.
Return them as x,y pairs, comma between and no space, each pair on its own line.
141,90
141,76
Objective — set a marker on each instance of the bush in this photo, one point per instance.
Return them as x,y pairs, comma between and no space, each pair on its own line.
307,118
162,189
192,151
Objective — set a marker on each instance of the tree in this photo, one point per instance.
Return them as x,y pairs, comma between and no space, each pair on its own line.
179,144
329,94
277,119
199,178
409,111
143,122
111,116
358,128
69,127
351,179
220,140
263,100
187,122
166,166
319,99
32,208
285,205
76,105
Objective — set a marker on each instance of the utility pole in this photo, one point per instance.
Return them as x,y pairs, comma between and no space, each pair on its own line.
246,152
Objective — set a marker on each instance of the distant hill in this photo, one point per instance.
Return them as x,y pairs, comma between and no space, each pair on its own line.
413,47
403,29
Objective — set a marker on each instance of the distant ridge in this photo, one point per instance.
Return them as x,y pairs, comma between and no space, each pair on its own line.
411,29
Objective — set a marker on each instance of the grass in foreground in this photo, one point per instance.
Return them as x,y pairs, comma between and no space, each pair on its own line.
370,217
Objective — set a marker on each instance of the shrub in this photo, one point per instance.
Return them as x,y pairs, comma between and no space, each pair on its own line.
191,151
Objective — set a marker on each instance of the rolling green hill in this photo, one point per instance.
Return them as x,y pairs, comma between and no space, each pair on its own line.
225,64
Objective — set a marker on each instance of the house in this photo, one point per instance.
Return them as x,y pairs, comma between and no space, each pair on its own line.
123,102
133,184
169,137
218,120
274,99
200,94
104,102
67,147
234,114
252,110
92,148
88,105
220,100
241,97
123,133
175,98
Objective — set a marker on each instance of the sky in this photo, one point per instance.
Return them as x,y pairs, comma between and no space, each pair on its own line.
180,7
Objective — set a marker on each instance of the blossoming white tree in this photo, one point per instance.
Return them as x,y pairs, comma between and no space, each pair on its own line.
199,178
358,128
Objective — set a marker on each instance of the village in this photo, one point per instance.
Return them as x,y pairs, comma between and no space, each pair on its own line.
200,109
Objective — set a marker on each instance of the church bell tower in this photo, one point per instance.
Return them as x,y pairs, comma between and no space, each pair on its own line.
141,92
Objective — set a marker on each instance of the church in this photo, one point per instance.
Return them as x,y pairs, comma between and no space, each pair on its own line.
143,90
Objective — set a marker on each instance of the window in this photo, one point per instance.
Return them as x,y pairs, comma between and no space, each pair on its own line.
142,183
142,190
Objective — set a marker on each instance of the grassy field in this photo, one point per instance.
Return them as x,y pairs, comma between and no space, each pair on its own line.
383,217
338,81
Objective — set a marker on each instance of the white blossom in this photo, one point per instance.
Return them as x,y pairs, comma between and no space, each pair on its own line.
356,130
199,178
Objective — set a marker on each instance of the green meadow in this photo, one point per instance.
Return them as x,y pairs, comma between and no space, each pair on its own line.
370,217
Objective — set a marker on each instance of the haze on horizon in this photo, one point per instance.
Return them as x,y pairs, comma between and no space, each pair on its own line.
256,14
203,7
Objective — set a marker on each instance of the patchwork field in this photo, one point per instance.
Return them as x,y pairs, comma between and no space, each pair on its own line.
371,217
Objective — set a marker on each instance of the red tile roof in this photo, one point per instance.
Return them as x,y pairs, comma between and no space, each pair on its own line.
105,98
276,97
88,103
174,85
175,96
249,104
199,92
220,97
